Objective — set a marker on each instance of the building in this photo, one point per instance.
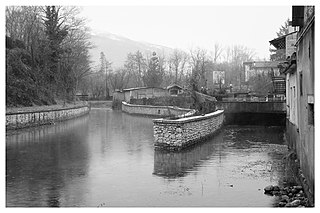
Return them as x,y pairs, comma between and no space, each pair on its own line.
299,70
284,48
215,79
139,93
285,45
254,68
175,89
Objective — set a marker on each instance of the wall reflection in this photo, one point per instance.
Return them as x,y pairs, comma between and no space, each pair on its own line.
177,164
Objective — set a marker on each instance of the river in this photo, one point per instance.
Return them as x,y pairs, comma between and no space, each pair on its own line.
107,159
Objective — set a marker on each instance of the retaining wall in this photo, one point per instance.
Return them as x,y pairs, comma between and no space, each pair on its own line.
160,111
179,133
35,118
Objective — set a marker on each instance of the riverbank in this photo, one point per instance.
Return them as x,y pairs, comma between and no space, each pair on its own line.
22,117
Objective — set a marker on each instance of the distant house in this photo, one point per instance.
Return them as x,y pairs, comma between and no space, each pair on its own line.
175,89
139,93
215,79
268,68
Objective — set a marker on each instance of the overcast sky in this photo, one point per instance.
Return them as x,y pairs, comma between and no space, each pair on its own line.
192,26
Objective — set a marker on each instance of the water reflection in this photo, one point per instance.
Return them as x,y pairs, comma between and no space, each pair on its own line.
177,164
108,158
41,161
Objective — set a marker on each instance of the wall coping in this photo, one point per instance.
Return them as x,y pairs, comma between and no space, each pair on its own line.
263,102
46,110
152,106
189,119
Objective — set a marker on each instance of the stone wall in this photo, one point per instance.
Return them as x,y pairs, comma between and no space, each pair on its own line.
160,111
179,133
35,118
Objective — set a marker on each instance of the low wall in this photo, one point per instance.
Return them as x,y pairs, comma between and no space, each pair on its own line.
176,134
35,118
252,107
100,104
160,111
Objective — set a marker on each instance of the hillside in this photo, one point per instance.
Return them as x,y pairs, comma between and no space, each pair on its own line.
117,47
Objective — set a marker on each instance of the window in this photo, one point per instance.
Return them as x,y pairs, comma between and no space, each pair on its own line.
301,89
311,114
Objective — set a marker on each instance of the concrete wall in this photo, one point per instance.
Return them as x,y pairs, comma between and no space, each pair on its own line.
161,111
179,133
36,118
252,107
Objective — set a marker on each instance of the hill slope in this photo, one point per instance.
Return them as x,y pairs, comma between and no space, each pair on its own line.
117,47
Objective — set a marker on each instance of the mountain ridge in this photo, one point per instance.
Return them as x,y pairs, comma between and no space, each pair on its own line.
116,48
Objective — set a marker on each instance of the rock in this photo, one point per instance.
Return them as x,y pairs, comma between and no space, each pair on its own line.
290,194
276,193
295,203
282,204
284,198
288,205
283,192
268,189
276,188
298,187
295,191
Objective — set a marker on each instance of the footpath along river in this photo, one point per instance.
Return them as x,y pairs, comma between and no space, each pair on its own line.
107,159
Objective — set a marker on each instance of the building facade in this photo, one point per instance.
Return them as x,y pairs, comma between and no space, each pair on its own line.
299,70
254,68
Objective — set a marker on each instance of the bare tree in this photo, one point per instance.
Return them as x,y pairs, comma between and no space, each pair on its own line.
177,63
217,51
136,66
119,79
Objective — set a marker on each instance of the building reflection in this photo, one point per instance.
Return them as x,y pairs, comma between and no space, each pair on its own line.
177,164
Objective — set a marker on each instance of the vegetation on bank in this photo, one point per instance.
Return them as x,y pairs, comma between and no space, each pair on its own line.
46,54
45,107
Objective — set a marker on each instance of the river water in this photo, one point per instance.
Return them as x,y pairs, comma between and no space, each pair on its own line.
107,159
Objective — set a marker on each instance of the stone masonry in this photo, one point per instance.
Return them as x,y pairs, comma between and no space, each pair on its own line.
160,111
179,133
36,118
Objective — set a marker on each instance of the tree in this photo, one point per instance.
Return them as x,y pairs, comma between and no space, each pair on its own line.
199,60
217,51
177,62
136,66
155,72
119,79
105,69
284,29
57,41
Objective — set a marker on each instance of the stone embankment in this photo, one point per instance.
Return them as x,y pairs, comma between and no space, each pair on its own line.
158,111
31,117
179,133
292,196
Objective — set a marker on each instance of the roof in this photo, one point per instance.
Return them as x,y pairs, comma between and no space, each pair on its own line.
280,42
138,88
174,85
